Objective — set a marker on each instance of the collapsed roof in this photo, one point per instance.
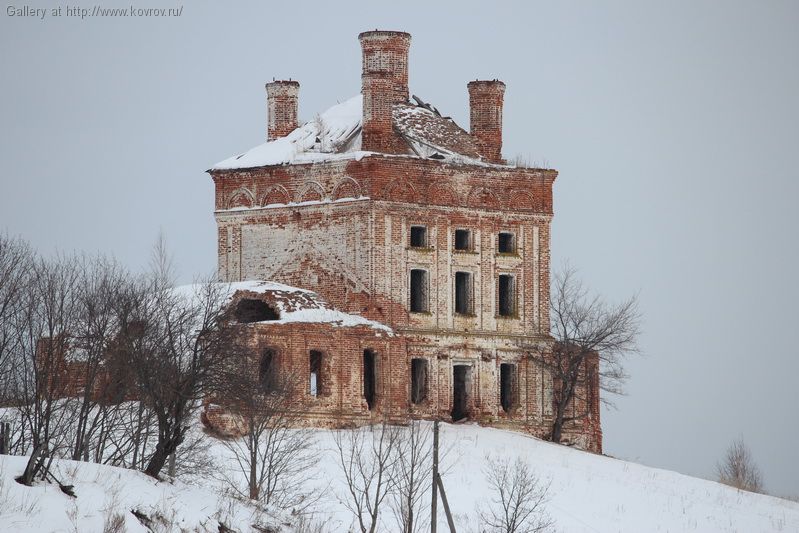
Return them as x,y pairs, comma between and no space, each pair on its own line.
336,134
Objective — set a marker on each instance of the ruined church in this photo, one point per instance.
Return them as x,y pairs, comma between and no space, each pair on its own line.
394,261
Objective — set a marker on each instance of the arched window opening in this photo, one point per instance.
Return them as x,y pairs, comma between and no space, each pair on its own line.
250,310
267,370
315,380
418,380
369,378
507,386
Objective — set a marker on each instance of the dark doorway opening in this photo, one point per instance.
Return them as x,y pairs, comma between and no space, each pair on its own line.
460,392
506,378
369,378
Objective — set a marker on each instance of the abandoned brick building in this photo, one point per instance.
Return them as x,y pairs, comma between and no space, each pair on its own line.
428,257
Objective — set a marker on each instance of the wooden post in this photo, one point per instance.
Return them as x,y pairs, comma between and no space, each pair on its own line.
5,438
433,506
446,505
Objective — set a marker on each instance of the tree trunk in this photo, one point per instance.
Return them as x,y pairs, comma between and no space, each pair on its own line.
157,462
162,453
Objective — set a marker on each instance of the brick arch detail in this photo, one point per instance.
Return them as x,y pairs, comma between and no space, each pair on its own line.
443,195
346,188
311,191
276,194
241,197
482,197
400,191
520,199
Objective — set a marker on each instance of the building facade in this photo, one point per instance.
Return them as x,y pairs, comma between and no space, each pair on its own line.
391,212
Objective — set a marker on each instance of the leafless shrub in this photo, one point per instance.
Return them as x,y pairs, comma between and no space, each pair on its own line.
366,457
411,476
114,523
518,499
275,456
524,161
738,469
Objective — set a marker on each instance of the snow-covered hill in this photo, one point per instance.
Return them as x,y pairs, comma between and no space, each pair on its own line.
114,500
588,493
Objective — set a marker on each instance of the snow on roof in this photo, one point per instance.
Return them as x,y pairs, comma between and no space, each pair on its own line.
336,134
301,305
292,304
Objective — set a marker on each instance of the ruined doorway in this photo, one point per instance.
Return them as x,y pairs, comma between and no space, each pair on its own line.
461,377
369,378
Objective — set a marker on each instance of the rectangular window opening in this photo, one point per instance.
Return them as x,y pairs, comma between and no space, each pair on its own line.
369,378
418,380
418,237
419,291
463,293
315,381
507,379
463,240
507,295
506,243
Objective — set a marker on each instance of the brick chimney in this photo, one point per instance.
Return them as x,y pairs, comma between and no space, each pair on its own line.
384,82
485,117
281,104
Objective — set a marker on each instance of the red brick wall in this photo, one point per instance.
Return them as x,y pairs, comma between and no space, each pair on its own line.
485,116
384,81
282,102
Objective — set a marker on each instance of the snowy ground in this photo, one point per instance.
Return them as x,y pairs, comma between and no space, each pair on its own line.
106,493
588,493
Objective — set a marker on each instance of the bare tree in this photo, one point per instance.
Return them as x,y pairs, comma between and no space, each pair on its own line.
366,456
175,343
47,314
274,456
411,475
738,469
15,261
584,326
518,499
100,285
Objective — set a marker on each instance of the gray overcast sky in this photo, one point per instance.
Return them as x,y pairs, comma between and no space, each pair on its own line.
674,125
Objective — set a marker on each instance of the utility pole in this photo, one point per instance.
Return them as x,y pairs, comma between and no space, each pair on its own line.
438,485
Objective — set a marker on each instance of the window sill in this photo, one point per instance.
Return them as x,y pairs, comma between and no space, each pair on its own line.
508,254
465,315
507,317
466,252
422,249
421,313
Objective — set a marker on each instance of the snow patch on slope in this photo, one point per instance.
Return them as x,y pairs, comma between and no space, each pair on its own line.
105,491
